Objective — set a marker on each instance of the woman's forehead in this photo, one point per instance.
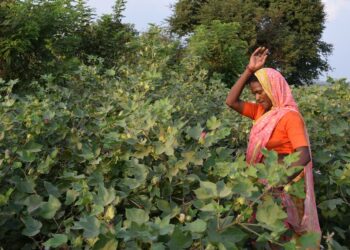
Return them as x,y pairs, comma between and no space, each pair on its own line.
255,85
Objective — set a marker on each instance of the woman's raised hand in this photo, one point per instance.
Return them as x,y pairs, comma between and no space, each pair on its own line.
257,59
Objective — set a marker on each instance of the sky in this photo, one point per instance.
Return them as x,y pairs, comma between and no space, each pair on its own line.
143,12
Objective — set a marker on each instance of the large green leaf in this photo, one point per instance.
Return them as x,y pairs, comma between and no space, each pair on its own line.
179,239
90,225
229,237
33,203
271,215
195,132
310,240
5,197
209,190
71,196
244,187
198,226
56,241
32,226
164,226
137,215
213,123
105,243
136,175
48,209
104,196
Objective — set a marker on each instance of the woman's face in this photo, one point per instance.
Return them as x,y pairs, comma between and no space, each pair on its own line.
260,95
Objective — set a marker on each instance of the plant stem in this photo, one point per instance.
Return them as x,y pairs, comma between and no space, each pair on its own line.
257,234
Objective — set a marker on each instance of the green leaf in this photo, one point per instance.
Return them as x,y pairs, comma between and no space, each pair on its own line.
290,246
136,175
56,241
222,190
298,189
207,190
158,246
211,207
51,189
322,156
271,215
136,215
291,158
5,197
229,237
44,167
32,227
29,152
179,239
164,225
195,132
87,152
49,209
338,127
198,226
26,156
244,187
33,147
90,225
252,172
26,186
213,123
33,203
49,115
71,196
271,157
110,72
222,169
331,204
105,243
9,103
310,240
104,196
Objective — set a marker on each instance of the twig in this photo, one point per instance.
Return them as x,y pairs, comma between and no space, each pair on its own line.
133,202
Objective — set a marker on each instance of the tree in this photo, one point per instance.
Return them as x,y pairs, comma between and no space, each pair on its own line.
108,37
37,36
53,37
219,49
185,15
290,29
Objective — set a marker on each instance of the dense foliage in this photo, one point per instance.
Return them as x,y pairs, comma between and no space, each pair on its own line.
219,49
111,159
141,152
40,36
292,30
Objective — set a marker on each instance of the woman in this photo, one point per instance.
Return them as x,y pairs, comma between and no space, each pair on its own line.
278,126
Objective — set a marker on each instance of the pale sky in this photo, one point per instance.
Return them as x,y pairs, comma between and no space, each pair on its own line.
143,12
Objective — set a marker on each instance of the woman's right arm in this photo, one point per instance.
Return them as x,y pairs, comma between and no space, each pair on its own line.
256,62
232,99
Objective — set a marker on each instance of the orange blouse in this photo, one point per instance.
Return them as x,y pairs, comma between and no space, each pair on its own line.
288,134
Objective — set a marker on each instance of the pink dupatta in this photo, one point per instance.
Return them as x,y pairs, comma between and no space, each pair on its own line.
277,89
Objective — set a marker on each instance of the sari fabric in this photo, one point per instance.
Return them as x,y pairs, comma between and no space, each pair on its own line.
277,89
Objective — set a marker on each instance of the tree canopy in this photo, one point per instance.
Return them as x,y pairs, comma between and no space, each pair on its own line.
41,37
291,30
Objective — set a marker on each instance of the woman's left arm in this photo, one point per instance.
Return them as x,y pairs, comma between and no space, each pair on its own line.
304,156
304,159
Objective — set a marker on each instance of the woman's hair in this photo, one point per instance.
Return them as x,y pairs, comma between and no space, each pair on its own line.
251,79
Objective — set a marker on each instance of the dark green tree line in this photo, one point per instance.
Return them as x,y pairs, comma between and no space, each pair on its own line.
52,37
290,29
